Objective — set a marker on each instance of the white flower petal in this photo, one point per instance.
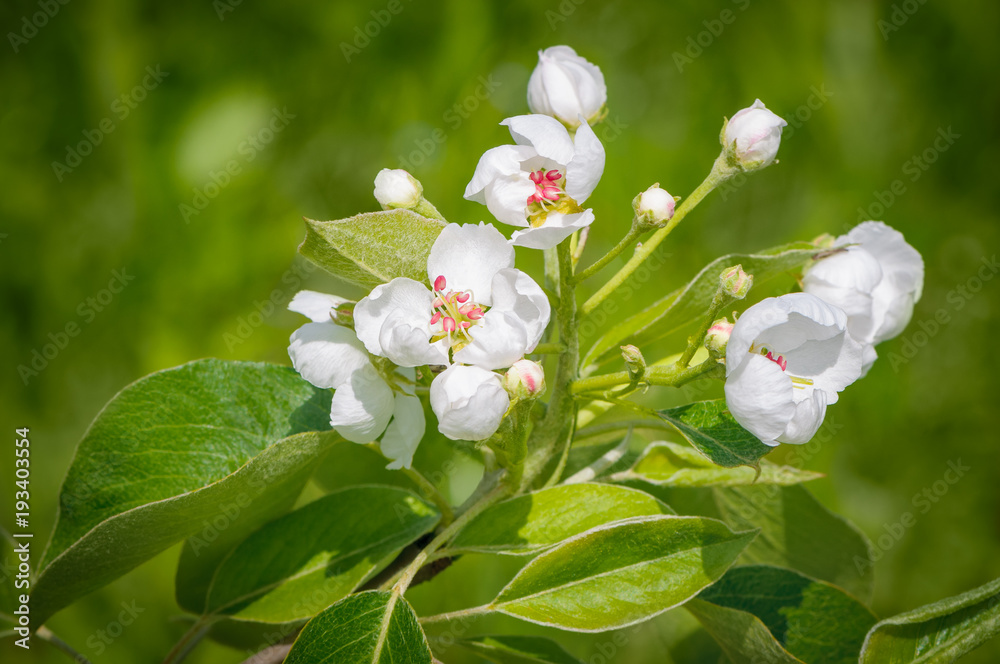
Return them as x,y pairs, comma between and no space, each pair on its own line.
496,163
584,171
404,432
507,199
498,341
326,354
469,402
469,256
846,280
517,293
806,421
361,407
759,396
398,314
557,227
315,306
545,134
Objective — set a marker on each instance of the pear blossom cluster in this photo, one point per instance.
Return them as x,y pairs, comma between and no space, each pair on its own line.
461,336
788,357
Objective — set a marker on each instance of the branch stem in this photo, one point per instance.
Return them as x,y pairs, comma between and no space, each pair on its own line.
45,634
720,172
634,234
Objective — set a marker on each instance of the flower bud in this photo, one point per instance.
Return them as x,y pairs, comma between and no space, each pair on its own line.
752,136
635,363
736,282
469,402
718,336
566,87
524,380
395,188
653,207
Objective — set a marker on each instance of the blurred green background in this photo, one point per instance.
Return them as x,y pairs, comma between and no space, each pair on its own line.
303,123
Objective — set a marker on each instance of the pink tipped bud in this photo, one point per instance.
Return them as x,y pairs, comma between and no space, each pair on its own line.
552,176
718,336
463,297
524,380
736,282
475,314
436,318
448,324
440,283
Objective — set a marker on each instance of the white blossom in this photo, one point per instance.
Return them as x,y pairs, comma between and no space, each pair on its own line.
787,359
540,183
567,87
469,402
475,309
754,134
366,403
876,280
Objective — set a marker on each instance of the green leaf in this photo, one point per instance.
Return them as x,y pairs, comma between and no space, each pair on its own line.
374,247
812,620
689,303
301,563
535,521
670,464
712,430
621,573
938,633
372,627
742,636
519,650
169,453
797,531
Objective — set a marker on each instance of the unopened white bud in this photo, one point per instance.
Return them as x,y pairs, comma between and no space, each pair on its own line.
395,188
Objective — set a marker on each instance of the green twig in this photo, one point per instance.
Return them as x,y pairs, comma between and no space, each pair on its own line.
673,376
45,634
720,172
634,234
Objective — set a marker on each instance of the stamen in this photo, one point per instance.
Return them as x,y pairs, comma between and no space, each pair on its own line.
435,318
440,283
463,297
449,324
475,314
553,175
466,325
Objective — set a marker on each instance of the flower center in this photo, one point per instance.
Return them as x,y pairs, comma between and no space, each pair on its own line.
454,313
550,196
548,187
797,381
